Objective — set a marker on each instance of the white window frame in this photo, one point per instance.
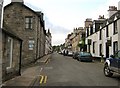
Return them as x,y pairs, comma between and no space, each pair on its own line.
31,44
11,53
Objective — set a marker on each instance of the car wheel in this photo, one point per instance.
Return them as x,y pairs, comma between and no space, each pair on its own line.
107,71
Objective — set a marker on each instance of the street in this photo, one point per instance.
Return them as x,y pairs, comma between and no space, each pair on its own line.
64,71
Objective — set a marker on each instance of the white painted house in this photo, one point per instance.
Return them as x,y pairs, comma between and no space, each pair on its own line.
104,39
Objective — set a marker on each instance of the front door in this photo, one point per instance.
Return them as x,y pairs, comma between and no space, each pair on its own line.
107,51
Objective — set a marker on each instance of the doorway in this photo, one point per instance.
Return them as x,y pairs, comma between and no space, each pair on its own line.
107,50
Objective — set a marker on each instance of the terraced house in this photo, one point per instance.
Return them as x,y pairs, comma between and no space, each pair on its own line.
29,26
104,39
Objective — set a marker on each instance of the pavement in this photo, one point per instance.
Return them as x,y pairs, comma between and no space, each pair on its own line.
29,73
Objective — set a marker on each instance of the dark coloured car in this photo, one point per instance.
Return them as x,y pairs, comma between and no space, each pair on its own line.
75,55
85,56
112,64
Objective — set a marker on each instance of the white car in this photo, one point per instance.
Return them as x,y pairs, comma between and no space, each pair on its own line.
70,53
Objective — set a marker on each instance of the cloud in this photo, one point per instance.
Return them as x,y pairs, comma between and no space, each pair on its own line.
58,39
61,16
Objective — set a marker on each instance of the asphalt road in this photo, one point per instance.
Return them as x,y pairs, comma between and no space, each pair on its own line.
65,71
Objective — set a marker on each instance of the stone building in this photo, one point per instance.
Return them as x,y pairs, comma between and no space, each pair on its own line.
73,40
11,55
29,26
68,42
76,39
48,43
1,10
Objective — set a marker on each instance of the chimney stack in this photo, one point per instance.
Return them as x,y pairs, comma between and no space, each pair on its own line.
88,22
112,10
21,1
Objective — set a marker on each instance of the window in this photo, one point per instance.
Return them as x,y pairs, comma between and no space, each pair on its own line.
115,27
9,52
100,36
119,54
87,32
91,30
93,47
115,47
107,32
31,44
28,22
100,50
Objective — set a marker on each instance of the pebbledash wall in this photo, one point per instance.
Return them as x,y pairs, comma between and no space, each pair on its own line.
16,15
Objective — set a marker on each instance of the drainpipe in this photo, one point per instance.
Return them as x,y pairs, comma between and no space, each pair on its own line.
20,58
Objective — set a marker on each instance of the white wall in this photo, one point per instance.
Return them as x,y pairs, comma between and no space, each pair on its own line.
119,34
95,38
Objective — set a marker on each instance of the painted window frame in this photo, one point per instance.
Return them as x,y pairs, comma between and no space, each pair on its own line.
11,57
31,44
114,46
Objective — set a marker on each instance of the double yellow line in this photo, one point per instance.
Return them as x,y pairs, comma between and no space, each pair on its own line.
47,61
43,79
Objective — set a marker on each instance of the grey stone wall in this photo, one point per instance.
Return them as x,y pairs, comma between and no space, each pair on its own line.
14,17
1,5
14,70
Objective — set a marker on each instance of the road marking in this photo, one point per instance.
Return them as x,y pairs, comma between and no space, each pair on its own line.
42,77
45,80
41,69
47,61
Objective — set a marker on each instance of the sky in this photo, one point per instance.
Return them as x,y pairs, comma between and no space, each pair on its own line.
62,16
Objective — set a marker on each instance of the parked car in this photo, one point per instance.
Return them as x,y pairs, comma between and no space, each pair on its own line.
112,64
70,53
85,56
75,55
